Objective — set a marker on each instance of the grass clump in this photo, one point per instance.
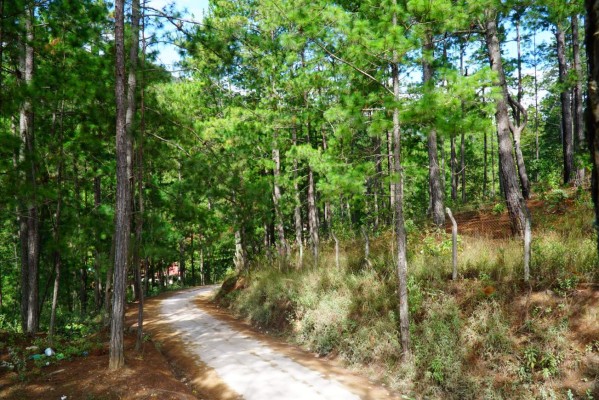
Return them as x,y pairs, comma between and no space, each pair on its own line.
438,347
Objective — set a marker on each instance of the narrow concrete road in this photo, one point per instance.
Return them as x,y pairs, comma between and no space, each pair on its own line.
247,366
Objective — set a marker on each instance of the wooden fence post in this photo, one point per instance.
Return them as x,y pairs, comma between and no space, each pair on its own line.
454,250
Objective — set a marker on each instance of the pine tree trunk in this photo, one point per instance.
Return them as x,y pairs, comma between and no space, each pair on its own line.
536,85
443,164
193,268
56,233
592,121
578,94
98,279
312,216
492,168
32,217
109,278
123,198
390,169
83,287
1,55
57,268
463,165
182,260
462,172
24,267
240,252
202,266
454,169
297,212
140,176
520,91
327,204
400,232
567,136
524,182
515,203
485,164
378,169
282,246
434,173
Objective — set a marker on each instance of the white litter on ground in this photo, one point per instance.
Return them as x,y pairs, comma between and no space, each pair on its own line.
247,366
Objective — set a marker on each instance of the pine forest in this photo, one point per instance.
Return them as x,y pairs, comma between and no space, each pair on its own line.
402,194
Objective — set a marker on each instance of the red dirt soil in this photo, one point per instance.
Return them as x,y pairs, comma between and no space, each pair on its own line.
484,222
145,376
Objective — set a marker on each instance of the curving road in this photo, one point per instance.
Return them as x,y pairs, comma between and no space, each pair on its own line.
247,366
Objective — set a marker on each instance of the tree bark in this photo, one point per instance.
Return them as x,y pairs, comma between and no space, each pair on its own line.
378,170
312,215
24,266
327,204
98,278
83,287
56,238
463,165
521,117
592,116
536,84
109,278
240,251
453,166
515,203
193,267
336,249
463,72
140,175
31,239
182,260
567,137
202,282
297,212
390,169
1,57
123,198
578,94
400,232
434,173
282,246
520,91
485,164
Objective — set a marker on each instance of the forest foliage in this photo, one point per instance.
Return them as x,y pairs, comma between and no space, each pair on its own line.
291,128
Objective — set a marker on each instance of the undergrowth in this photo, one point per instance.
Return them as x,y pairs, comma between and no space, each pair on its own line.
487,335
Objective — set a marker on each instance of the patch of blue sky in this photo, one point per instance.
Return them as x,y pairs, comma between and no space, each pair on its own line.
168,52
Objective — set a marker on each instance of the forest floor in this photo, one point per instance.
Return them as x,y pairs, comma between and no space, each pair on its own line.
147,375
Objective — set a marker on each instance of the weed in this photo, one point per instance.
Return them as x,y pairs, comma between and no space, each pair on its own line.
565,285
498,208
